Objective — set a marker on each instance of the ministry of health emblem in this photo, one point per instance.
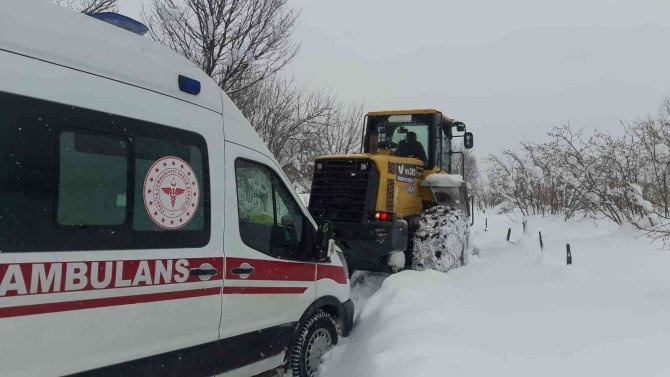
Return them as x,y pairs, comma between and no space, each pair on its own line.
171,192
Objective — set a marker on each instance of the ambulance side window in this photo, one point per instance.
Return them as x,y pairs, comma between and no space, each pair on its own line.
270,219
74,179
92,179
255,205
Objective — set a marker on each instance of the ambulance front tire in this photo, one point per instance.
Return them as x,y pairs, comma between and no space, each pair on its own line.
315,336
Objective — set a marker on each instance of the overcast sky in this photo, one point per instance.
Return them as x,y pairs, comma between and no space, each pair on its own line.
509,69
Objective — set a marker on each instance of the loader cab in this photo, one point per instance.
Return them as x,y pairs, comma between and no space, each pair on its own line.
422,134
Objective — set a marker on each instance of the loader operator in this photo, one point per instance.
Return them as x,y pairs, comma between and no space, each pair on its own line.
410,147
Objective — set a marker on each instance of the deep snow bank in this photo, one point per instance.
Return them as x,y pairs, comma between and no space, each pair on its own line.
518,312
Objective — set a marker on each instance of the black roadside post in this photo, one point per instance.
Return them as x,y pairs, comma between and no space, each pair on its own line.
509,233
486,224
568,254
541,244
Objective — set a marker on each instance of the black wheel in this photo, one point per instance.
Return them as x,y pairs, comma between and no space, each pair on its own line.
316,336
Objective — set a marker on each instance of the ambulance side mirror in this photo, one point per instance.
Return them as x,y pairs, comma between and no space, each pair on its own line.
322,241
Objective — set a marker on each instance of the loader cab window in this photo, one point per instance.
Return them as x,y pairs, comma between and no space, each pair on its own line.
270,219
411,145
407,140
405,135
445,149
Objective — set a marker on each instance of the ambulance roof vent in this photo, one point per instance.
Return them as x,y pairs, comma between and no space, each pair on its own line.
122,21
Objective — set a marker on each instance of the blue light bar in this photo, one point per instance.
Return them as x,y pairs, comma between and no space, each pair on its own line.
121,21
189,85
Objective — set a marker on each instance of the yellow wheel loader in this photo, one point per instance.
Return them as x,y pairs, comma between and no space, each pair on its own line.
397,204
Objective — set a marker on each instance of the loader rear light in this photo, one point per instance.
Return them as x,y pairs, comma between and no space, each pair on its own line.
384,216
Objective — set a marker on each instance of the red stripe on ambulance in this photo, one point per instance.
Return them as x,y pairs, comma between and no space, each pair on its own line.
263,290
38,278
23,279
336,273
63,306
271,270
291,271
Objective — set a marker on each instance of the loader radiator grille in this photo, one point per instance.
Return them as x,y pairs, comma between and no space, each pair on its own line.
343,190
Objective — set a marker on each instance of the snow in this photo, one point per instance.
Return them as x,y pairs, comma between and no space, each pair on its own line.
396,260
503,208
592,197
639,198
519,311
444,180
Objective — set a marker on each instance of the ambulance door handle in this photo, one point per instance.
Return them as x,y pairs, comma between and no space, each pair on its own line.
204,272
244,270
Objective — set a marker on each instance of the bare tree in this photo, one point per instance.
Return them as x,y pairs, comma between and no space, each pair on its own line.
284,115
290,120
622,178
89,6
485,196
471,167
341,133
237,42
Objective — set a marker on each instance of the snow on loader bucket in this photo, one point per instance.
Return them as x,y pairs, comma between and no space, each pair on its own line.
442,241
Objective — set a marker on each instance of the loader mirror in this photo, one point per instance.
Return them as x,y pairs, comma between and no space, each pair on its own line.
468,140
322,240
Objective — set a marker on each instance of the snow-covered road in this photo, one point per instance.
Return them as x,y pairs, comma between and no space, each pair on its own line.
516,311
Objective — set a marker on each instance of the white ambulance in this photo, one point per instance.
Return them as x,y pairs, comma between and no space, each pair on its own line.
145,228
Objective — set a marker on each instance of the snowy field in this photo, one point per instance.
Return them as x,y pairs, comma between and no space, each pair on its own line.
516,311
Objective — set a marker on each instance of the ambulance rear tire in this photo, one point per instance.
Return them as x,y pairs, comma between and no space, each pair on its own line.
315,337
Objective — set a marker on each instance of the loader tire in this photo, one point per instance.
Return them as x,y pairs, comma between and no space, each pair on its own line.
442,241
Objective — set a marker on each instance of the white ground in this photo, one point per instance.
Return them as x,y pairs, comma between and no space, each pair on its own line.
515,311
